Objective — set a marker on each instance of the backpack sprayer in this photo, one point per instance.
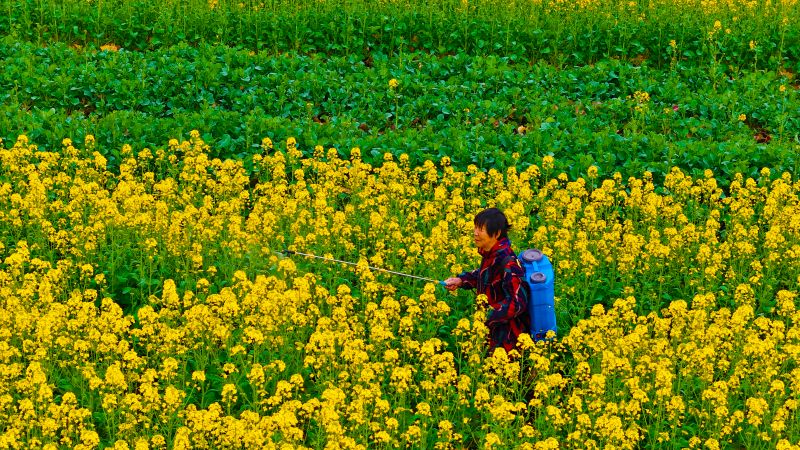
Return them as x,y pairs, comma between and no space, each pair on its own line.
539,278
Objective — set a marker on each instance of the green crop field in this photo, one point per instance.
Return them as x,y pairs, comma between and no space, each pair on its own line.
158,159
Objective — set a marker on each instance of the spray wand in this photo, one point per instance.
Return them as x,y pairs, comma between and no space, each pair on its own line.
290,252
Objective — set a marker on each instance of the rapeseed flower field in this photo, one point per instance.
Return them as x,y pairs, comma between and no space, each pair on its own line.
148,306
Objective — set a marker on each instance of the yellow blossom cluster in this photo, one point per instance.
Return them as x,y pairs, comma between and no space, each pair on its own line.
148,305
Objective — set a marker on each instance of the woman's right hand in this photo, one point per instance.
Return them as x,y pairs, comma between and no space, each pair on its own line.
453,283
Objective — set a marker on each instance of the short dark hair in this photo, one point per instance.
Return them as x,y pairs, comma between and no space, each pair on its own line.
494,221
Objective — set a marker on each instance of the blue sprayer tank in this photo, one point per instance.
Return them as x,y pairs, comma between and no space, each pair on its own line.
541,304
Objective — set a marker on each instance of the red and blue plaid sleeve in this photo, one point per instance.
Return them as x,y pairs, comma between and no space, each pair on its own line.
469,280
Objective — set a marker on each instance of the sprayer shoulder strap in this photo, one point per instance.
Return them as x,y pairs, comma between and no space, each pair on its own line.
524,286
509,258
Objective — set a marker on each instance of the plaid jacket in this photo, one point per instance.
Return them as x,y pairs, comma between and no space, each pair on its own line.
500,278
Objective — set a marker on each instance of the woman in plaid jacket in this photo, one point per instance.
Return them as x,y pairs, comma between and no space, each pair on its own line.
500,278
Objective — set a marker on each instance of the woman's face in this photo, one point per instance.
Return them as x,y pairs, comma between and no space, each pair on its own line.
483,241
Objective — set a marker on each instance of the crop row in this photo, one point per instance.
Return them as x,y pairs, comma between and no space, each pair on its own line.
558,31
615,115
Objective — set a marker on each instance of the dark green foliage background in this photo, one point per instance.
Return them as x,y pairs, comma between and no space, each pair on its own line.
470,73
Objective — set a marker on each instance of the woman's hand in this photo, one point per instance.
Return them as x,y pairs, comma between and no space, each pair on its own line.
453,283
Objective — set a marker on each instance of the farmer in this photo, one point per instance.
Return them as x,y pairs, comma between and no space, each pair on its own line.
500,277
